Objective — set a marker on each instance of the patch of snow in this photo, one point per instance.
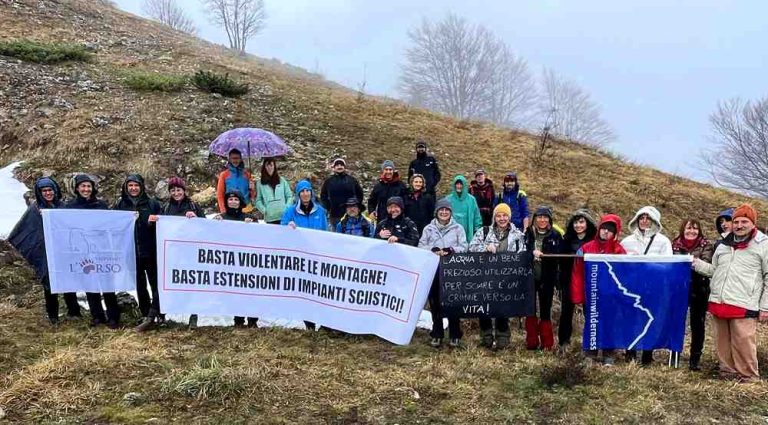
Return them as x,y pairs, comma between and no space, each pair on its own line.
12,193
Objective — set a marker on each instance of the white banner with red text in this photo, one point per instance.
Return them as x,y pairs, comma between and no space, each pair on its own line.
352,284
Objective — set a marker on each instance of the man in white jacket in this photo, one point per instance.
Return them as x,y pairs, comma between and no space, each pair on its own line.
646,239
739,296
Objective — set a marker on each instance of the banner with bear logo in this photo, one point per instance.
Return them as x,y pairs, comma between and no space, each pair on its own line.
90,250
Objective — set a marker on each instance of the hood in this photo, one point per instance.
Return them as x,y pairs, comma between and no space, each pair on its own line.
47,182
726,213
304,184
82,178
136,178
233,211
655,218
461,179
591,224
612,218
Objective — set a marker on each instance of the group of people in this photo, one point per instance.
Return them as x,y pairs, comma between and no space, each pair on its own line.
728,277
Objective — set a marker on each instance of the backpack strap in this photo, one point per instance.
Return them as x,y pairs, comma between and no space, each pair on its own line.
486,229
650,242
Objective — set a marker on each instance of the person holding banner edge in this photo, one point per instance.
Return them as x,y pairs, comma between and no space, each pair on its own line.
86,198
690,240
503,236
581,228
543,239
134,197
646,239
28,238
443,236
606,242
739,294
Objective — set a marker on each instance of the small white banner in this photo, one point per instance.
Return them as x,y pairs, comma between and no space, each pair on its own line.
353,284
90,250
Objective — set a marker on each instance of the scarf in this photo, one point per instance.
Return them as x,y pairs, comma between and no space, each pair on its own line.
683,244
737,245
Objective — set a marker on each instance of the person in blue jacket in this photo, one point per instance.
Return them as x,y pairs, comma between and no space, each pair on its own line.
306,213
517,200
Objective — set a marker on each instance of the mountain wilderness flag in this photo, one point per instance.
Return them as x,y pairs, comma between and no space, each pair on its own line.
635,302
90,250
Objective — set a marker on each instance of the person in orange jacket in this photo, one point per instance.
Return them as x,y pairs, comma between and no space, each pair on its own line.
234,177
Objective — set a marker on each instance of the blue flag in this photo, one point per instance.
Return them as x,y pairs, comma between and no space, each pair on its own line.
635,302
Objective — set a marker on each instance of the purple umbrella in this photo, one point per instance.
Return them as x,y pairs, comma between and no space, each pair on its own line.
251,142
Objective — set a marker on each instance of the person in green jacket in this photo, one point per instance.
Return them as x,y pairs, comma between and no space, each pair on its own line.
273,192
465,209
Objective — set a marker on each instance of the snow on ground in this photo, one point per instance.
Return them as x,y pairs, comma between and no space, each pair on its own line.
12,193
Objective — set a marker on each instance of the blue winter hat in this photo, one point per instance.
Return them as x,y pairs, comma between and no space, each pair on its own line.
387,164
304,185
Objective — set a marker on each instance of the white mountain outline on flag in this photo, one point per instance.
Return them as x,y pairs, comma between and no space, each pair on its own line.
636,305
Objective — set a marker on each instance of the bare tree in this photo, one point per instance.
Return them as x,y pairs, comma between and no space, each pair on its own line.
512,92
739,155
169,13
449,67
241,19
575,116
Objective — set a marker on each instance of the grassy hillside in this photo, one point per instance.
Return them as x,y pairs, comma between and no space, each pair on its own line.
82,116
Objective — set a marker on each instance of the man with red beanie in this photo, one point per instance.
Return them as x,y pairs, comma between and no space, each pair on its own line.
606,242
738,297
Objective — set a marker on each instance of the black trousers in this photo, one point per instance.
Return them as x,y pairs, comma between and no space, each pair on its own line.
52,302
454,323
501,325
97,311
240,320
146,270
565,326
698,302
545,290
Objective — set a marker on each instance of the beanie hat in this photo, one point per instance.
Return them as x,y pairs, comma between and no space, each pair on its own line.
397,201
443,203
387,164
339,160
510,176
421,144
545,211
176,182
746,210
502,208
478,172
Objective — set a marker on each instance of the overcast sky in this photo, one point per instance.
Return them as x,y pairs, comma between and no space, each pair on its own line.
656,67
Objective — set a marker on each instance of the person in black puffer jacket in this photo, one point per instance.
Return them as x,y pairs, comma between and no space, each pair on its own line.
134,197
337,189
397,228
389,185
419,204
86,198
427,166
581,228
542,239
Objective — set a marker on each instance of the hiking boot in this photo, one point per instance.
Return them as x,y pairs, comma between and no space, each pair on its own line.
609,361
73,318
97,322
436,342
113,324
646,358
502,342
254,324
630,356
147,324
693,362
455,343
193,322
54,321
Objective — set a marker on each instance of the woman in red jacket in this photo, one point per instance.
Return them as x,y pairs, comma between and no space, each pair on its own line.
606,242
